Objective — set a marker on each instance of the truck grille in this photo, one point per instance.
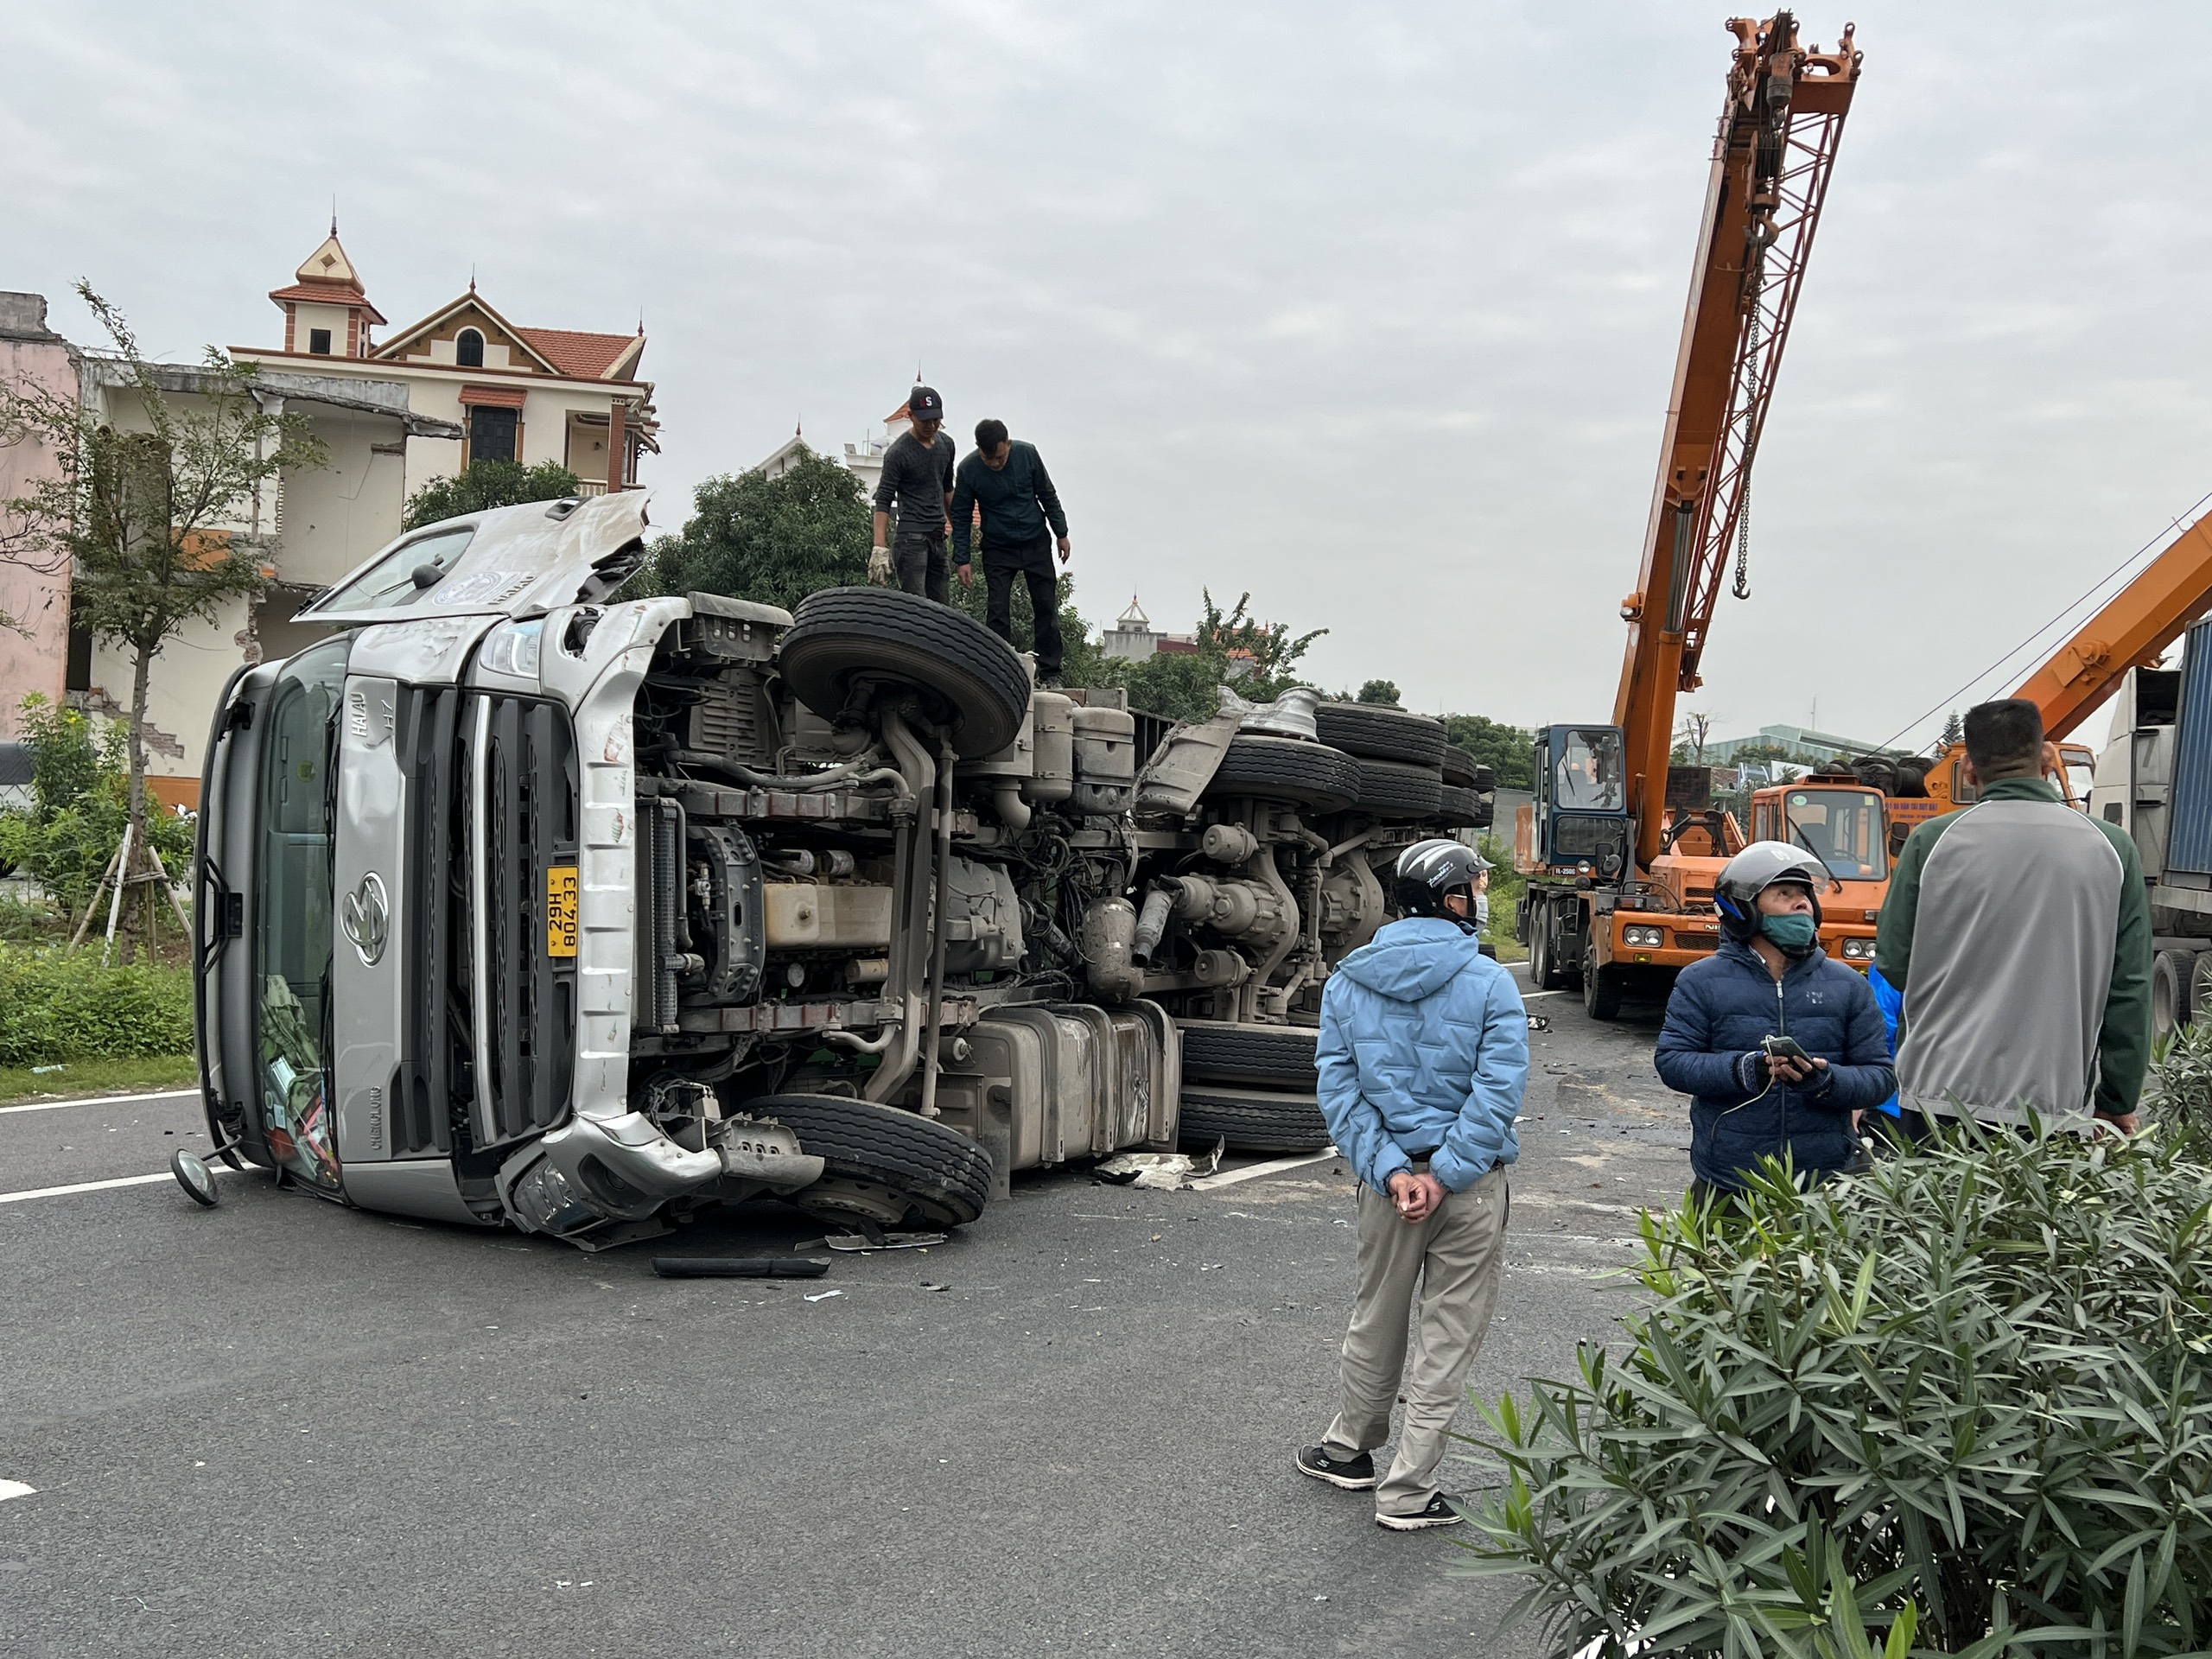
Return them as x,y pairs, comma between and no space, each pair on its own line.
430,1091
531,807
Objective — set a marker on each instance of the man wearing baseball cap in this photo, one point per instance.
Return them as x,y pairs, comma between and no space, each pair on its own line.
917,481
1423,1054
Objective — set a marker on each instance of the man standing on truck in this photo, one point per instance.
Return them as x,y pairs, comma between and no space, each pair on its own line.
917,481
1424,1055
1006,479
2019,931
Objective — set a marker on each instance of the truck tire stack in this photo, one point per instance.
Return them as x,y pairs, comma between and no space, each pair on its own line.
1399,756
1250,1086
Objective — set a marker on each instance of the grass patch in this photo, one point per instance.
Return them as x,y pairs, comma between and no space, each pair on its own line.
58,1005
133,1076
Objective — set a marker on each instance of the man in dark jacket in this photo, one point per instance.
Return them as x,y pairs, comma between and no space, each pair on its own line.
1770,979
916,481
1005,478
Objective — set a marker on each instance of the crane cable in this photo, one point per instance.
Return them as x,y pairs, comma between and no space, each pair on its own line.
2057,617
1742,587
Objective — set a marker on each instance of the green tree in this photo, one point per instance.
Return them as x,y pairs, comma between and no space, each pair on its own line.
1379,691
1506,750
147,519
80,794
772,539
1955,730
484,484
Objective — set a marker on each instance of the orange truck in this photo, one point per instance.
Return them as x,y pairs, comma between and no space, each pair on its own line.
1621,850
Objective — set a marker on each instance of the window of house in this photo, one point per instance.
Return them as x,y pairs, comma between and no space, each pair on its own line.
469,349
492,434
319,341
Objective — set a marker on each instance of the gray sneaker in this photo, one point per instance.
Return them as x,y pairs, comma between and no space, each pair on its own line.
1438,1512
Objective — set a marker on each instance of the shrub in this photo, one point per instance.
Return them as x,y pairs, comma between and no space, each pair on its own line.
82,794
2180,1094
1970,1391
58,1004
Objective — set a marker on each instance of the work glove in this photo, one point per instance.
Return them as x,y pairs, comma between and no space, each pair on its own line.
879,567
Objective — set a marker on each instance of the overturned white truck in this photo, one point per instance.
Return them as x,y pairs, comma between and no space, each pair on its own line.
520,907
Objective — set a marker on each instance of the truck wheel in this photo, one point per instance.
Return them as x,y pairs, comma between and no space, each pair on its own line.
1282,1056
1460,809
1286,769
1601,990
2200,986
1459,767
1543,950
882,1164
1390,789
2170,987
970,679
1252,1119
1375,734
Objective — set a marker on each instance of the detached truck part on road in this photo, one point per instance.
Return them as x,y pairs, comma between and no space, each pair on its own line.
520,907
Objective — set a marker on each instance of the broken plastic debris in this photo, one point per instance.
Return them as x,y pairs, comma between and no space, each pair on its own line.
824,1295
930,1284
858,1244
45,1070
1540,1022
1168,1172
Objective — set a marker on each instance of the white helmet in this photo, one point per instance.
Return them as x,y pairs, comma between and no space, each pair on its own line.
1752,871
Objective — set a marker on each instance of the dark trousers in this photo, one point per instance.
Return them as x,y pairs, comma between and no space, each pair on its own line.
1032,563
919,558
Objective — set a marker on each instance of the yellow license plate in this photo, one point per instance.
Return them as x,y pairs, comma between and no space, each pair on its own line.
561,911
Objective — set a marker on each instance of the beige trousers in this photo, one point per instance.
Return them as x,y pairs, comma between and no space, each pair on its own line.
1454,1259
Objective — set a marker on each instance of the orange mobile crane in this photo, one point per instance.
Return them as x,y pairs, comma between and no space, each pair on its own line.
1619,849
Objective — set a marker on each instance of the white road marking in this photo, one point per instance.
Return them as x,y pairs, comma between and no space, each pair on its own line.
1530,996
15,1489
1230,1177
95,1186
101,1100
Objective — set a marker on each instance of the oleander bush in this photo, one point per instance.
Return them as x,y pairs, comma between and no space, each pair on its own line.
1965,1400
57,1004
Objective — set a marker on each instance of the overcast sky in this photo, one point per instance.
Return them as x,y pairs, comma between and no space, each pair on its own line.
1368,310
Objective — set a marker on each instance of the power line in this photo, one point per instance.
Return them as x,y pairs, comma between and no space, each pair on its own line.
2157,541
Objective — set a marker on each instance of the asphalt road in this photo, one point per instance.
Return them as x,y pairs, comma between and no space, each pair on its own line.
281,1426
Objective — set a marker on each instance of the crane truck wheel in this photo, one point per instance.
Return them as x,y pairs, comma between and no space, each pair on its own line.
1390,789
882,1163
1543,953
970,681
1252,1119
1601,990
1277,1056
1286,769
1377,733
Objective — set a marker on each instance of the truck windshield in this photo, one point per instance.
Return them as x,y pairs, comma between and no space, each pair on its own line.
291,959
1587,778
1843,828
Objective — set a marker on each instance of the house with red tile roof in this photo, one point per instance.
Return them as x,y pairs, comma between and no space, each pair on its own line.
518,393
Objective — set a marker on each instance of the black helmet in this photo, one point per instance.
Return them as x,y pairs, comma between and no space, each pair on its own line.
1752,871
1429,869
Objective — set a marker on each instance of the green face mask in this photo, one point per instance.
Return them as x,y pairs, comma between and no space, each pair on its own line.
1793,932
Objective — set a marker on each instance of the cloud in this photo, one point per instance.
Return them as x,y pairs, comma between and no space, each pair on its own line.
1371,310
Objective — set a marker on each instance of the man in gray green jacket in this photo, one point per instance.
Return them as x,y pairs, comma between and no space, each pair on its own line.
2018,929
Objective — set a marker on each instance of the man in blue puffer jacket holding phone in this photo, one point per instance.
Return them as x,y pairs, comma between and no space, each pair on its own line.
1779,1049
1423,1054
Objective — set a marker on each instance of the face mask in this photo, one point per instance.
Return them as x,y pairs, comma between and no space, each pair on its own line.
1793,932
1482,910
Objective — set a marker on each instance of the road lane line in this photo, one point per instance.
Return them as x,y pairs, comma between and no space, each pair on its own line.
15,1488
94,1186
101,1100
1229,1178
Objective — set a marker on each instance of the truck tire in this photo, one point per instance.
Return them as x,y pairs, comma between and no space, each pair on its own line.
1252,1119
1390,789
1277,1056
1543,950
880,1159
1288,769
1459,767
1377,733
2170,989
1601,990
970,679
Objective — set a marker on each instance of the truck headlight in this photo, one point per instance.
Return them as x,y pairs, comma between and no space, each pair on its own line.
512,647
1645,938
1859,950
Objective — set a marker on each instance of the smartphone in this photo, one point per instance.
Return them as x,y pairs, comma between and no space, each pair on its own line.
1785,1048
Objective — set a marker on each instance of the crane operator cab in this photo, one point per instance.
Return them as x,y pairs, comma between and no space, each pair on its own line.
1577,824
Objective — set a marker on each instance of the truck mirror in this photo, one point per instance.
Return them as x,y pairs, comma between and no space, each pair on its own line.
194,1177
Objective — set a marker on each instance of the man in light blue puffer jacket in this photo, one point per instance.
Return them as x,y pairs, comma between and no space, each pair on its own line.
1423,1055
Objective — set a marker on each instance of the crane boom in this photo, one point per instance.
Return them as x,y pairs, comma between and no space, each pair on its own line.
2133,629
1771,158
